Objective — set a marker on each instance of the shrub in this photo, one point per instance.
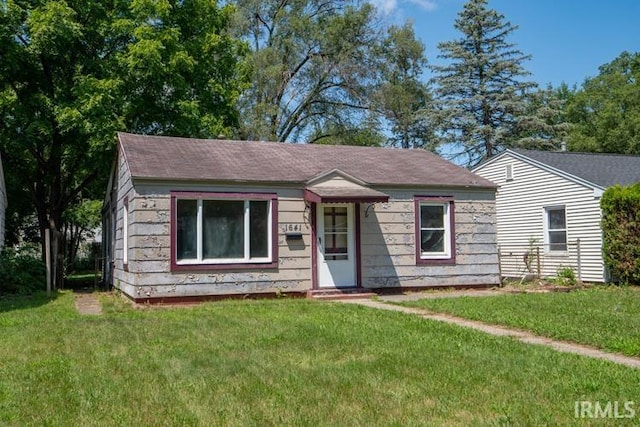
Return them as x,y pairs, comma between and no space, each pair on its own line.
565,276
21,271
621,232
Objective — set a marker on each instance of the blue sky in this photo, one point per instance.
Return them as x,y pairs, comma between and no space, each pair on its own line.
568,39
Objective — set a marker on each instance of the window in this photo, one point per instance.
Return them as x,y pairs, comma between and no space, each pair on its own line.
125,233
556,225
336,233
434,230
214,229
508,172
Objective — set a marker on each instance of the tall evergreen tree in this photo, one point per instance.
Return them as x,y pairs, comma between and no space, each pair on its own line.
480,92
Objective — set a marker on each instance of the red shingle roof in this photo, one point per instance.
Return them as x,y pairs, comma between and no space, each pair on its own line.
171,158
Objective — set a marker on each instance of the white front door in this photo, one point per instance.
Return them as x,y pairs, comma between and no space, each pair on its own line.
336,246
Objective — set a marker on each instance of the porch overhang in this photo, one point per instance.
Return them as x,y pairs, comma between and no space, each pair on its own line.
344,195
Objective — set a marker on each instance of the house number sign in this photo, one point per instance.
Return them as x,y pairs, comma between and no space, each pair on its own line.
291,228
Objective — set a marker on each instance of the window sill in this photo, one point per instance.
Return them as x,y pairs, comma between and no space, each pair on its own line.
436,261
558,254
225,267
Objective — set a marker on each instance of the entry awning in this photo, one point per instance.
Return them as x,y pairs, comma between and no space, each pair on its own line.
322,194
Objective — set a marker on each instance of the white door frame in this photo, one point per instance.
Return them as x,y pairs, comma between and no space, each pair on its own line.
336,273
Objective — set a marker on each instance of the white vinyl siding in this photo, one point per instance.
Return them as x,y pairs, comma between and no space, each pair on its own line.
520,210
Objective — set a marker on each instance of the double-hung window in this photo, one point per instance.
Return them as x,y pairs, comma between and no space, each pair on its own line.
212,230
434,230
125,233
556,225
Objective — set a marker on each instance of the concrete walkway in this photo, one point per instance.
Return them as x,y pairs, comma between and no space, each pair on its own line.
526,337
87,303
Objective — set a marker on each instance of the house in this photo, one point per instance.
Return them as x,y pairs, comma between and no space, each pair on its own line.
194,219
552,199
3,204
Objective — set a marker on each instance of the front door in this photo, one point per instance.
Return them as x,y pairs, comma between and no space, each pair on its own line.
336,246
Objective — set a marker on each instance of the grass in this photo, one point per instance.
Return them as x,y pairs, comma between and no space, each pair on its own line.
280,362
604,317
81,280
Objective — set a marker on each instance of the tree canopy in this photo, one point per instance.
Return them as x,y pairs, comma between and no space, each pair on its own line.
73,73
605,111
317,68
480,92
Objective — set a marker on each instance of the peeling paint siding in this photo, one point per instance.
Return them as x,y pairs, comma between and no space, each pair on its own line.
121,278
520,216
149,257
388,243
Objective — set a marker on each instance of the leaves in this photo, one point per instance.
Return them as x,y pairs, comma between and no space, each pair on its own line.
72,74
480,92
606,110
320,69
621,232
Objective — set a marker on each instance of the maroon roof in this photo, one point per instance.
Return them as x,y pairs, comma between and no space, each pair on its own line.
171,158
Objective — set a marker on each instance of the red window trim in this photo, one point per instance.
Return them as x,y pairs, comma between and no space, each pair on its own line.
438,199
273,197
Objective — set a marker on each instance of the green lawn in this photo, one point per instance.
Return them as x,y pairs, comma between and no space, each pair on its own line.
281,362
604,317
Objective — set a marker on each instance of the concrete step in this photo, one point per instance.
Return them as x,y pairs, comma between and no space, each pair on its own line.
340,294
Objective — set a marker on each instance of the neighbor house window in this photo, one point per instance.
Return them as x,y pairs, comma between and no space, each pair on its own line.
556,225
434,230
508,172
215,229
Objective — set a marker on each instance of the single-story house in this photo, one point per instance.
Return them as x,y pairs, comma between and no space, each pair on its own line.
194,219
552,200
3,204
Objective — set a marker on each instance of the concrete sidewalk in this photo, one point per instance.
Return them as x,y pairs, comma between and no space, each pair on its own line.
526,337
87,303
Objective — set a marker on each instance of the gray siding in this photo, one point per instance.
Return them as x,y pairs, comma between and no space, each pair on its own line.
150,253
520,205
387,244
122,279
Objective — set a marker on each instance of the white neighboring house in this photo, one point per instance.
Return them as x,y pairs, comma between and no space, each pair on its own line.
3,204
552,199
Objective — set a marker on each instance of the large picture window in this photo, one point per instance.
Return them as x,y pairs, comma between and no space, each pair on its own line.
434,230
214,229
556,224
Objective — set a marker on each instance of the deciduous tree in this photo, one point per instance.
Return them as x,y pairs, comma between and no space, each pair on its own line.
402,95
317,67
605,111
72,73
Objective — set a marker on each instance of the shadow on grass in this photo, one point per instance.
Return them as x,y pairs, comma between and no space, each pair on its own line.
84,282
23,302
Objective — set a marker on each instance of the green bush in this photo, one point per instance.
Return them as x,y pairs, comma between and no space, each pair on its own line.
565,276
621,232
21,271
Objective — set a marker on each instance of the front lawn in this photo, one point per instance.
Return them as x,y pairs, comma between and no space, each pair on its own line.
604,317
281,362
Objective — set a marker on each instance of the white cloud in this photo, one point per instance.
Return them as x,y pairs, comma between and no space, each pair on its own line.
390,7
385,7
428,5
